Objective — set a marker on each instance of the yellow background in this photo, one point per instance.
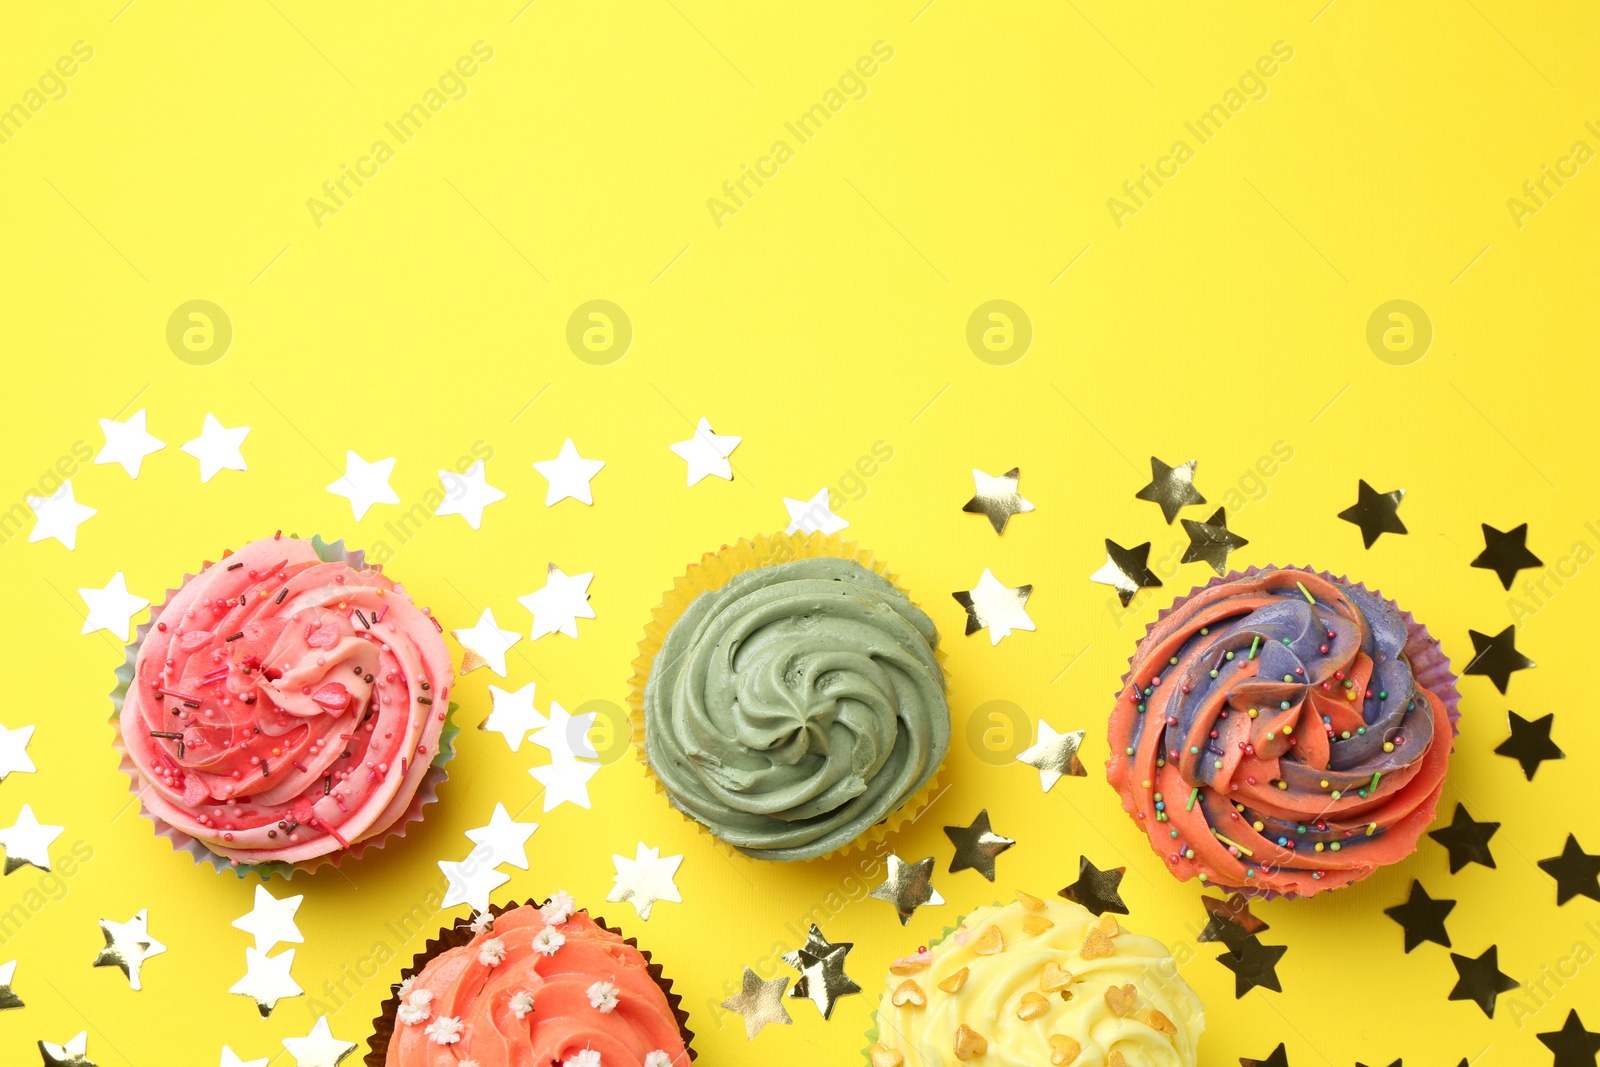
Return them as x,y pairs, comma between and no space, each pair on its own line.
828,314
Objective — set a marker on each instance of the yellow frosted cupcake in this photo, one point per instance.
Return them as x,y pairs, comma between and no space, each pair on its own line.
1038,982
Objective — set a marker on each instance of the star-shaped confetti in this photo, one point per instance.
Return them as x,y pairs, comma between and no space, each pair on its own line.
112,607
976,846
27,841
1230,921
1467,839
1376,513
997,606
127,443
319,1048
1506,553
266,979
908,887
1576,872
1054,755
566,734
58,515
645,879
231,1058
364,484
1481,980
1096,889
467,494
8,995
569,475
512,714
1278,1058
14,751
565,781
1126,570
74,1053
1496,657
821,965
128,945
1422,917
271,920
1530,743
217,448
707,453
1211,541
1171,487
997,499
1254,964
485,645
559,605
759,1002
470,881
1572,1045
813,516
505,839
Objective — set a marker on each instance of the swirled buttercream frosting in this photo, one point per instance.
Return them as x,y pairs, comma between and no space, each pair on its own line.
1038,982
540,986
1273,733
796,706
283,707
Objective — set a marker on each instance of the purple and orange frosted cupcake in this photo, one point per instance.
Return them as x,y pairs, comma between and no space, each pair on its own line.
285,707
1283,731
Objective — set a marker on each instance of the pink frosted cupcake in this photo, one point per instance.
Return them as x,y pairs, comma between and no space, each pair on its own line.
285,707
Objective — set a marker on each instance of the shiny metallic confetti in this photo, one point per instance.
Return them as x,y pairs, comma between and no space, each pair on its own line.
1496,657
645,879
1422,917
128,945
1171,487
1466,839
1506,552
1096,889
1126,570
1254,964
1278,1058
1530,743
1211,541
1576,872
760,1003
1572,1045
995,605
1229,920
1376,513
74,1053
1054,755
976,846
1480,980
27,841
821,965
266,979
319,1048
908,887
997,499
485,644
8,995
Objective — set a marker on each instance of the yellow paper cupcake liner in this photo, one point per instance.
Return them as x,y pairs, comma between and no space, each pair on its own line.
713,571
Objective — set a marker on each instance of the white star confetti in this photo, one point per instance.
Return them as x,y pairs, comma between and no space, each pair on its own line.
996,606
111,608
569,475
266,979
513,714
58,515
707,453
364,484
319,1048
467,494
1054,755
485,645
127,443
14,750
27,841
471,881
217,448
566,734
505,838
565,781
560,604
271,920
813,516
645,879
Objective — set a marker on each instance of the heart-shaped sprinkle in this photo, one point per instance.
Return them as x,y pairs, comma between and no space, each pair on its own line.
989,942
1096,945
1034,925
1032,1006
1029,901
908,992
1063,1050
1158,1021
1121,999
1054,978
954,983
969,1043
886,1057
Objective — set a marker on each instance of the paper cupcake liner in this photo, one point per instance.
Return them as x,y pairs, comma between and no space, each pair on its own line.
713,571
460,933
427,789
1429,664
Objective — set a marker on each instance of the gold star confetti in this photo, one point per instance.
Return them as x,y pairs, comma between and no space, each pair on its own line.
997,499
1211,541
1127,570
1054,755
1171,487
128,945
995,605
977,845
821,965
73,1054
8,996
759,1002
908,887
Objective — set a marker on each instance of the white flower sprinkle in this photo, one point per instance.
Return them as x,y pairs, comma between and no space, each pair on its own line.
586,1058
651,1059
481,921
521,1004
546,941
445,1030
559,908
491,952
603,995
416,1010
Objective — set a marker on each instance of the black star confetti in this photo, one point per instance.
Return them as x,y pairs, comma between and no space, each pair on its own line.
1126,570
1506,553
997,499
1096,889
1254,964
1211,541
1529,743
1229,921
821,965
1572,1045
1496,657
1171,487
1422,917
1467,839
1481,980
1396,1063
1576,872
1376,513
1279,1058
976,846
908,887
